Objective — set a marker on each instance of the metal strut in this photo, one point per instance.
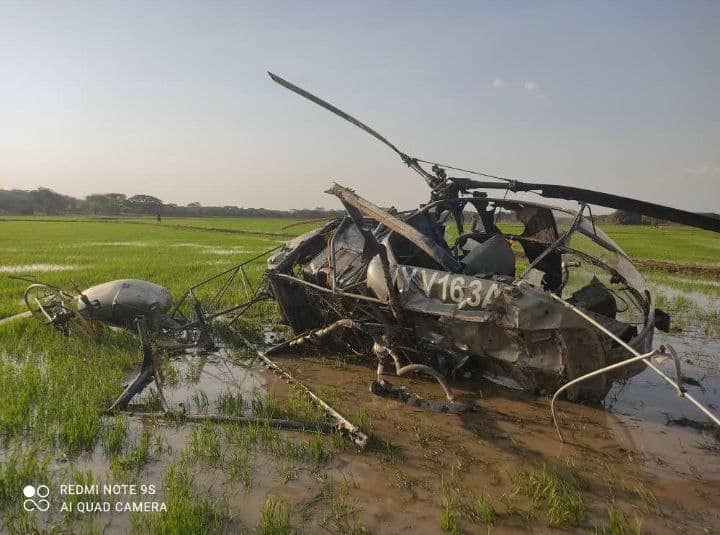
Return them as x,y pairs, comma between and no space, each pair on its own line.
637,357
341,423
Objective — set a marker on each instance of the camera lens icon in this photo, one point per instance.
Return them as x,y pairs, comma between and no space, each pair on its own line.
41,492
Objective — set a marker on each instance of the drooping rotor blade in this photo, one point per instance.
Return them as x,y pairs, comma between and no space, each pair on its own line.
617,202
411,162
608,200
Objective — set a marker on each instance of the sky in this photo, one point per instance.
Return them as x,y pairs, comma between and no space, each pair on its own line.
172,99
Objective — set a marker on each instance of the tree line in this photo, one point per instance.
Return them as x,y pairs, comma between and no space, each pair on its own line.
44,201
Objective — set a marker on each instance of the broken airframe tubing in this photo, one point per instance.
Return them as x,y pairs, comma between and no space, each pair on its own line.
645,358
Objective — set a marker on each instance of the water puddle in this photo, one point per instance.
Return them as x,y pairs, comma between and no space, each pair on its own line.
702,282
673,435
698,299
30,268
227,250
187,244
217,250
120,244
205,383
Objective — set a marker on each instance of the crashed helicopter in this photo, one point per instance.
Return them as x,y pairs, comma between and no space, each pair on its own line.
531,296
546,303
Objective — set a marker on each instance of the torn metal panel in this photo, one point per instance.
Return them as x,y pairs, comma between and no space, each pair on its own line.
368,209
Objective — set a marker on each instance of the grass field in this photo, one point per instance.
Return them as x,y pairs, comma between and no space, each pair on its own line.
53,388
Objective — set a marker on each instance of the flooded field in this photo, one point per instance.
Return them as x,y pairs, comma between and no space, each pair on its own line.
645,461
649,459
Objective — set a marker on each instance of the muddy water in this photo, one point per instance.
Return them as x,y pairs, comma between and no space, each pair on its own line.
197,383
646,442
700,299
675,437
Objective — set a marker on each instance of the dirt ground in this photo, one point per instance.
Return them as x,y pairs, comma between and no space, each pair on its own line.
620,459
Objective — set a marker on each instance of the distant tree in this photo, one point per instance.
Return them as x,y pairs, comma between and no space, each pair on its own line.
144,204
623,217
106,203
46,201
16,201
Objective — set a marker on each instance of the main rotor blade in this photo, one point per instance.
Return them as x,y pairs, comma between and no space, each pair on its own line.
337,111
617,202
608,200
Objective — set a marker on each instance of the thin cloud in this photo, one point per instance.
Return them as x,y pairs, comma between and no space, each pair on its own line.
704,170
533,88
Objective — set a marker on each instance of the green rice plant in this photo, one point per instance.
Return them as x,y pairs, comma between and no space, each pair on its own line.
316,447
288,448
266,406
200,401
268,436
170,373
80,425
479,509
448,518
555,493
361,418
275,518
240,468
22,467
17,521
59,385
646,496
300,406
134,458
115,435
287,471
186,512
230,404
77,478
343,514
21,386
205,445
242,436
619,524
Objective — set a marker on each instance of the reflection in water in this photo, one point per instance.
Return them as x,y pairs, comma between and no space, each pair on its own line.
647,414
199,383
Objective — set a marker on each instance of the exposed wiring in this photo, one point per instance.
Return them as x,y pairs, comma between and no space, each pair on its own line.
479,173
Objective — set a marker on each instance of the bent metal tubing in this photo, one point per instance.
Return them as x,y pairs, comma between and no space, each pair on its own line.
643,357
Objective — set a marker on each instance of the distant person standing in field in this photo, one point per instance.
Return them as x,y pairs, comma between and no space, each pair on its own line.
159,219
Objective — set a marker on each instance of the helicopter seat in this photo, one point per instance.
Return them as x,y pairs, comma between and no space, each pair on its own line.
494,256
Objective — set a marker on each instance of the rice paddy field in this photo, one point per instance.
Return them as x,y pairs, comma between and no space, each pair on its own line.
645,462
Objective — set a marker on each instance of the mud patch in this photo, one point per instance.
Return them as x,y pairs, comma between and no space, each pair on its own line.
676,267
